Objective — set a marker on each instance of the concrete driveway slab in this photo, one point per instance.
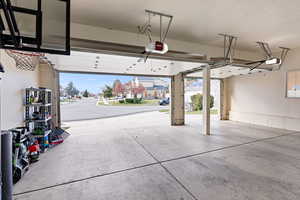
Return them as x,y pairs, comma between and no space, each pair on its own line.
247,172
105,156
148,183
80,157
166,142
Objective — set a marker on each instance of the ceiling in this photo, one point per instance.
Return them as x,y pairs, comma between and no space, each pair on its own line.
273,21
115,64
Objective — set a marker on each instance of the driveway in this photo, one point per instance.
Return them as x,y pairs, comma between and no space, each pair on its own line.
87,109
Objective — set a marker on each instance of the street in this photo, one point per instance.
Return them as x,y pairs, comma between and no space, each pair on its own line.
87,109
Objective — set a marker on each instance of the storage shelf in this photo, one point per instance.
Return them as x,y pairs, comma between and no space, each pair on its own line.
41,136
38,120
38,89
38,105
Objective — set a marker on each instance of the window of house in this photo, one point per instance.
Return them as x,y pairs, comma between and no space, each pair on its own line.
293,84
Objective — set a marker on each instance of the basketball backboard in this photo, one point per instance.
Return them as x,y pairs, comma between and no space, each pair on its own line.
35,25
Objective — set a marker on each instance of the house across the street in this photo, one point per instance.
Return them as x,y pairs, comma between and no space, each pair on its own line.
142,87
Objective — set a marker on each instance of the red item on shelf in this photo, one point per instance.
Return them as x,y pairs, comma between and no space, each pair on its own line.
57,141
34,148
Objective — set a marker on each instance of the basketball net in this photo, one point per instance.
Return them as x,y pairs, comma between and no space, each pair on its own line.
25,60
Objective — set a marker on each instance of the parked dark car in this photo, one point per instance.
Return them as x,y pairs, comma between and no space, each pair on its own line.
164,102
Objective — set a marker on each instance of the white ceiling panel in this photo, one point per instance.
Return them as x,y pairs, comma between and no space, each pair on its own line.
228,71
104,63
113,64
273,21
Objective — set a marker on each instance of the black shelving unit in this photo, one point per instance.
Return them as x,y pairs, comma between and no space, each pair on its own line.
38,105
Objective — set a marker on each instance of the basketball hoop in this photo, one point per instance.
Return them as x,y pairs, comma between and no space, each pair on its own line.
25,61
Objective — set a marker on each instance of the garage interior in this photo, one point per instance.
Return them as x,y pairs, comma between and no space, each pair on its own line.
251,153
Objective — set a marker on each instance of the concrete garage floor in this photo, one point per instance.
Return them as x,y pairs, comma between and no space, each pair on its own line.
141,157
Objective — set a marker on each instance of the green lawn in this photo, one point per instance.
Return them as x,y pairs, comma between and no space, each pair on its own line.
153,102
212,112
164,110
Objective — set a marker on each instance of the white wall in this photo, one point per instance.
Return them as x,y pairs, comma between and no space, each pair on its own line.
14,81
260,98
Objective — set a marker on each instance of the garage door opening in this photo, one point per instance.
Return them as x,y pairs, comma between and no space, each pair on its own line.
193,98
140,68
96,96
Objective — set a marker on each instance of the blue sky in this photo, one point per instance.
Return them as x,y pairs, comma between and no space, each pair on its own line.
92,82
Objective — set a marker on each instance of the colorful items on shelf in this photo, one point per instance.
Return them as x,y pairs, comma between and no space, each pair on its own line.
37,135
34,152
44,143
38,114
20,152
57,139
38,131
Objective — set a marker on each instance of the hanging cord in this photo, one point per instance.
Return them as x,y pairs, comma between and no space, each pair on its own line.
1,66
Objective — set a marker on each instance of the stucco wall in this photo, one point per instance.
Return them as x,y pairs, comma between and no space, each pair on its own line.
260,98
13,83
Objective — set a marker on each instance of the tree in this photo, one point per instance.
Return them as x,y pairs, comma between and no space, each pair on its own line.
107,92
137,90
86,93
118,88
71,90
197,101
155,94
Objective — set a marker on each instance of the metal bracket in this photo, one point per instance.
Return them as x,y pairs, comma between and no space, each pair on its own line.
258,63
268,55
284,52
266,49
229,47
146,28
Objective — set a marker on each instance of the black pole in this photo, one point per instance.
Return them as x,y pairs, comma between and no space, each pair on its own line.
0,162
6,165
